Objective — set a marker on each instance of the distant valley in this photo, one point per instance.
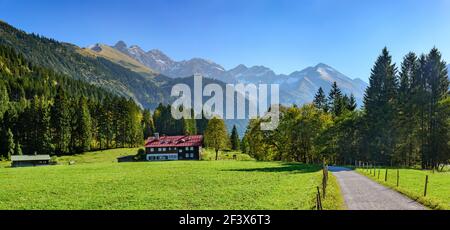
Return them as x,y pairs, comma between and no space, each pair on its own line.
298,87
148,76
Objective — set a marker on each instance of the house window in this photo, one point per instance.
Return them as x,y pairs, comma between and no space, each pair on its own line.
159,149
170,148
164,149
187,148
187,155
192,148
192,155
152,149
180,150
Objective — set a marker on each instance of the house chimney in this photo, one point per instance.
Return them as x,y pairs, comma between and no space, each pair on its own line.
157,136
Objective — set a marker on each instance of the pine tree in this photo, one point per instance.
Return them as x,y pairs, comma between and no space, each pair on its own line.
379,102
201,124
147,124
82,134
235,141
60,122
39,133
4,100
351,106
437,83
406,122
9,144
105,122
18,149
320,100
335,100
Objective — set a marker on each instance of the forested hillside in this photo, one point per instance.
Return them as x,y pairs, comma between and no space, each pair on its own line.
146,88
405,120
43,112
69,60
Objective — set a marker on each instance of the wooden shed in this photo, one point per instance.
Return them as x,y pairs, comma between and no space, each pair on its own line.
30,160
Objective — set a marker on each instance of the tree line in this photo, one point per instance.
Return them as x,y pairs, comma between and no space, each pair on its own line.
43,112
405,120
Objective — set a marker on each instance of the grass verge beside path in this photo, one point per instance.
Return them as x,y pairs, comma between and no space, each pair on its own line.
412,184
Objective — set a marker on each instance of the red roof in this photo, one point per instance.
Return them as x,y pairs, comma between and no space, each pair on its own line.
175,141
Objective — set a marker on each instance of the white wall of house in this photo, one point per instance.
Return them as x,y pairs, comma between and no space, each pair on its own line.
162,157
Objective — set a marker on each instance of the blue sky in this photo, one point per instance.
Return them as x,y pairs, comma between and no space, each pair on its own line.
284,35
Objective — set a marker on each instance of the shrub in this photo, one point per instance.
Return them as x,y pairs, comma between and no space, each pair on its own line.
140,155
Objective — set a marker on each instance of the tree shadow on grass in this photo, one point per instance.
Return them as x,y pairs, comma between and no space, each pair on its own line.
339,169
285,167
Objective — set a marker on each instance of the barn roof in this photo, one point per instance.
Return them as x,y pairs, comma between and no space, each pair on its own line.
30,158
175,141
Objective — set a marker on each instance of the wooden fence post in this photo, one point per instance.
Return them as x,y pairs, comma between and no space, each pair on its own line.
386,175
324,180
398,176
319,200
426,186
379,172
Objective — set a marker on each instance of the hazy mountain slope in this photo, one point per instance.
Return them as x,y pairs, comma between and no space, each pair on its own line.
100,50
296,88
105,68
241,124
304,84
163,64
154,59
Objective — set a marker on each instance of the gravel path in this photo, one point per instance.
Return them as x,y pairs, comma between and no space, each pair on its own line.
361,193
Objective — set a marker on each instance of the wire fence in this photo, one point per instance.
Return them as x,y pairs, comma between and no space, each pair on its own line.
377,170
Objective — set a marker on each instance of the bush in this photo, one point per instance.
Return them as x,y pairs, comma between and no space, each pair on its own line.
140,156
54,160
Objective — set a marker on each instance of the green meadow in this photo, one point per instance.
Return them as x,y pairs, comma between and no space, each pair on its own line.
412,184
96,181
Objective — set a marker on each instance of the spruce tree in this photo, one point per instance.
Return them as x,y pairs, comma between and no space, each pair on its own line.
379,102
437,83
235,141
147,124
60,122
351,106
82,134
18,149
4,100
9,144
407,114
335,100
320,100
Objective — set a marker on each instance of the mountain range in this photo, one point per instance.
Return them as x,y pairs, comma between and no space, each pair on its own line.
298,87
148,77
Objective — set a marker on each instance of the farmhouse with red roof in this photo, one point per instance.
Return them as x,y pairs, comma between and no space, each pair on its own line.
166,148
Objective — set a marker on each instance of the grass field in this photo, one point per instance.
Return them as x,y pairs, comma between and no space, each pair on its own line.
412,184
96,181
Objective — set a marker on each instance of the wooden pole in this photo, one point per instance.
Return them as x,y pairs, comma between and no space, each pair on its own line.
324,180
426,186
398,176
385,175
379,172
319,200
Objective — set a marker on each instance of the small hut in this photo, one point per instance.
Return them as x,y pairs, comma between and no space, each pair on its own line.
30,160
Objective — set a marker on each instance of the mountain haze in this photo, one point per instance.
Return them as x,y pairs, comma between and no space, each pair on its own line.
298,87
